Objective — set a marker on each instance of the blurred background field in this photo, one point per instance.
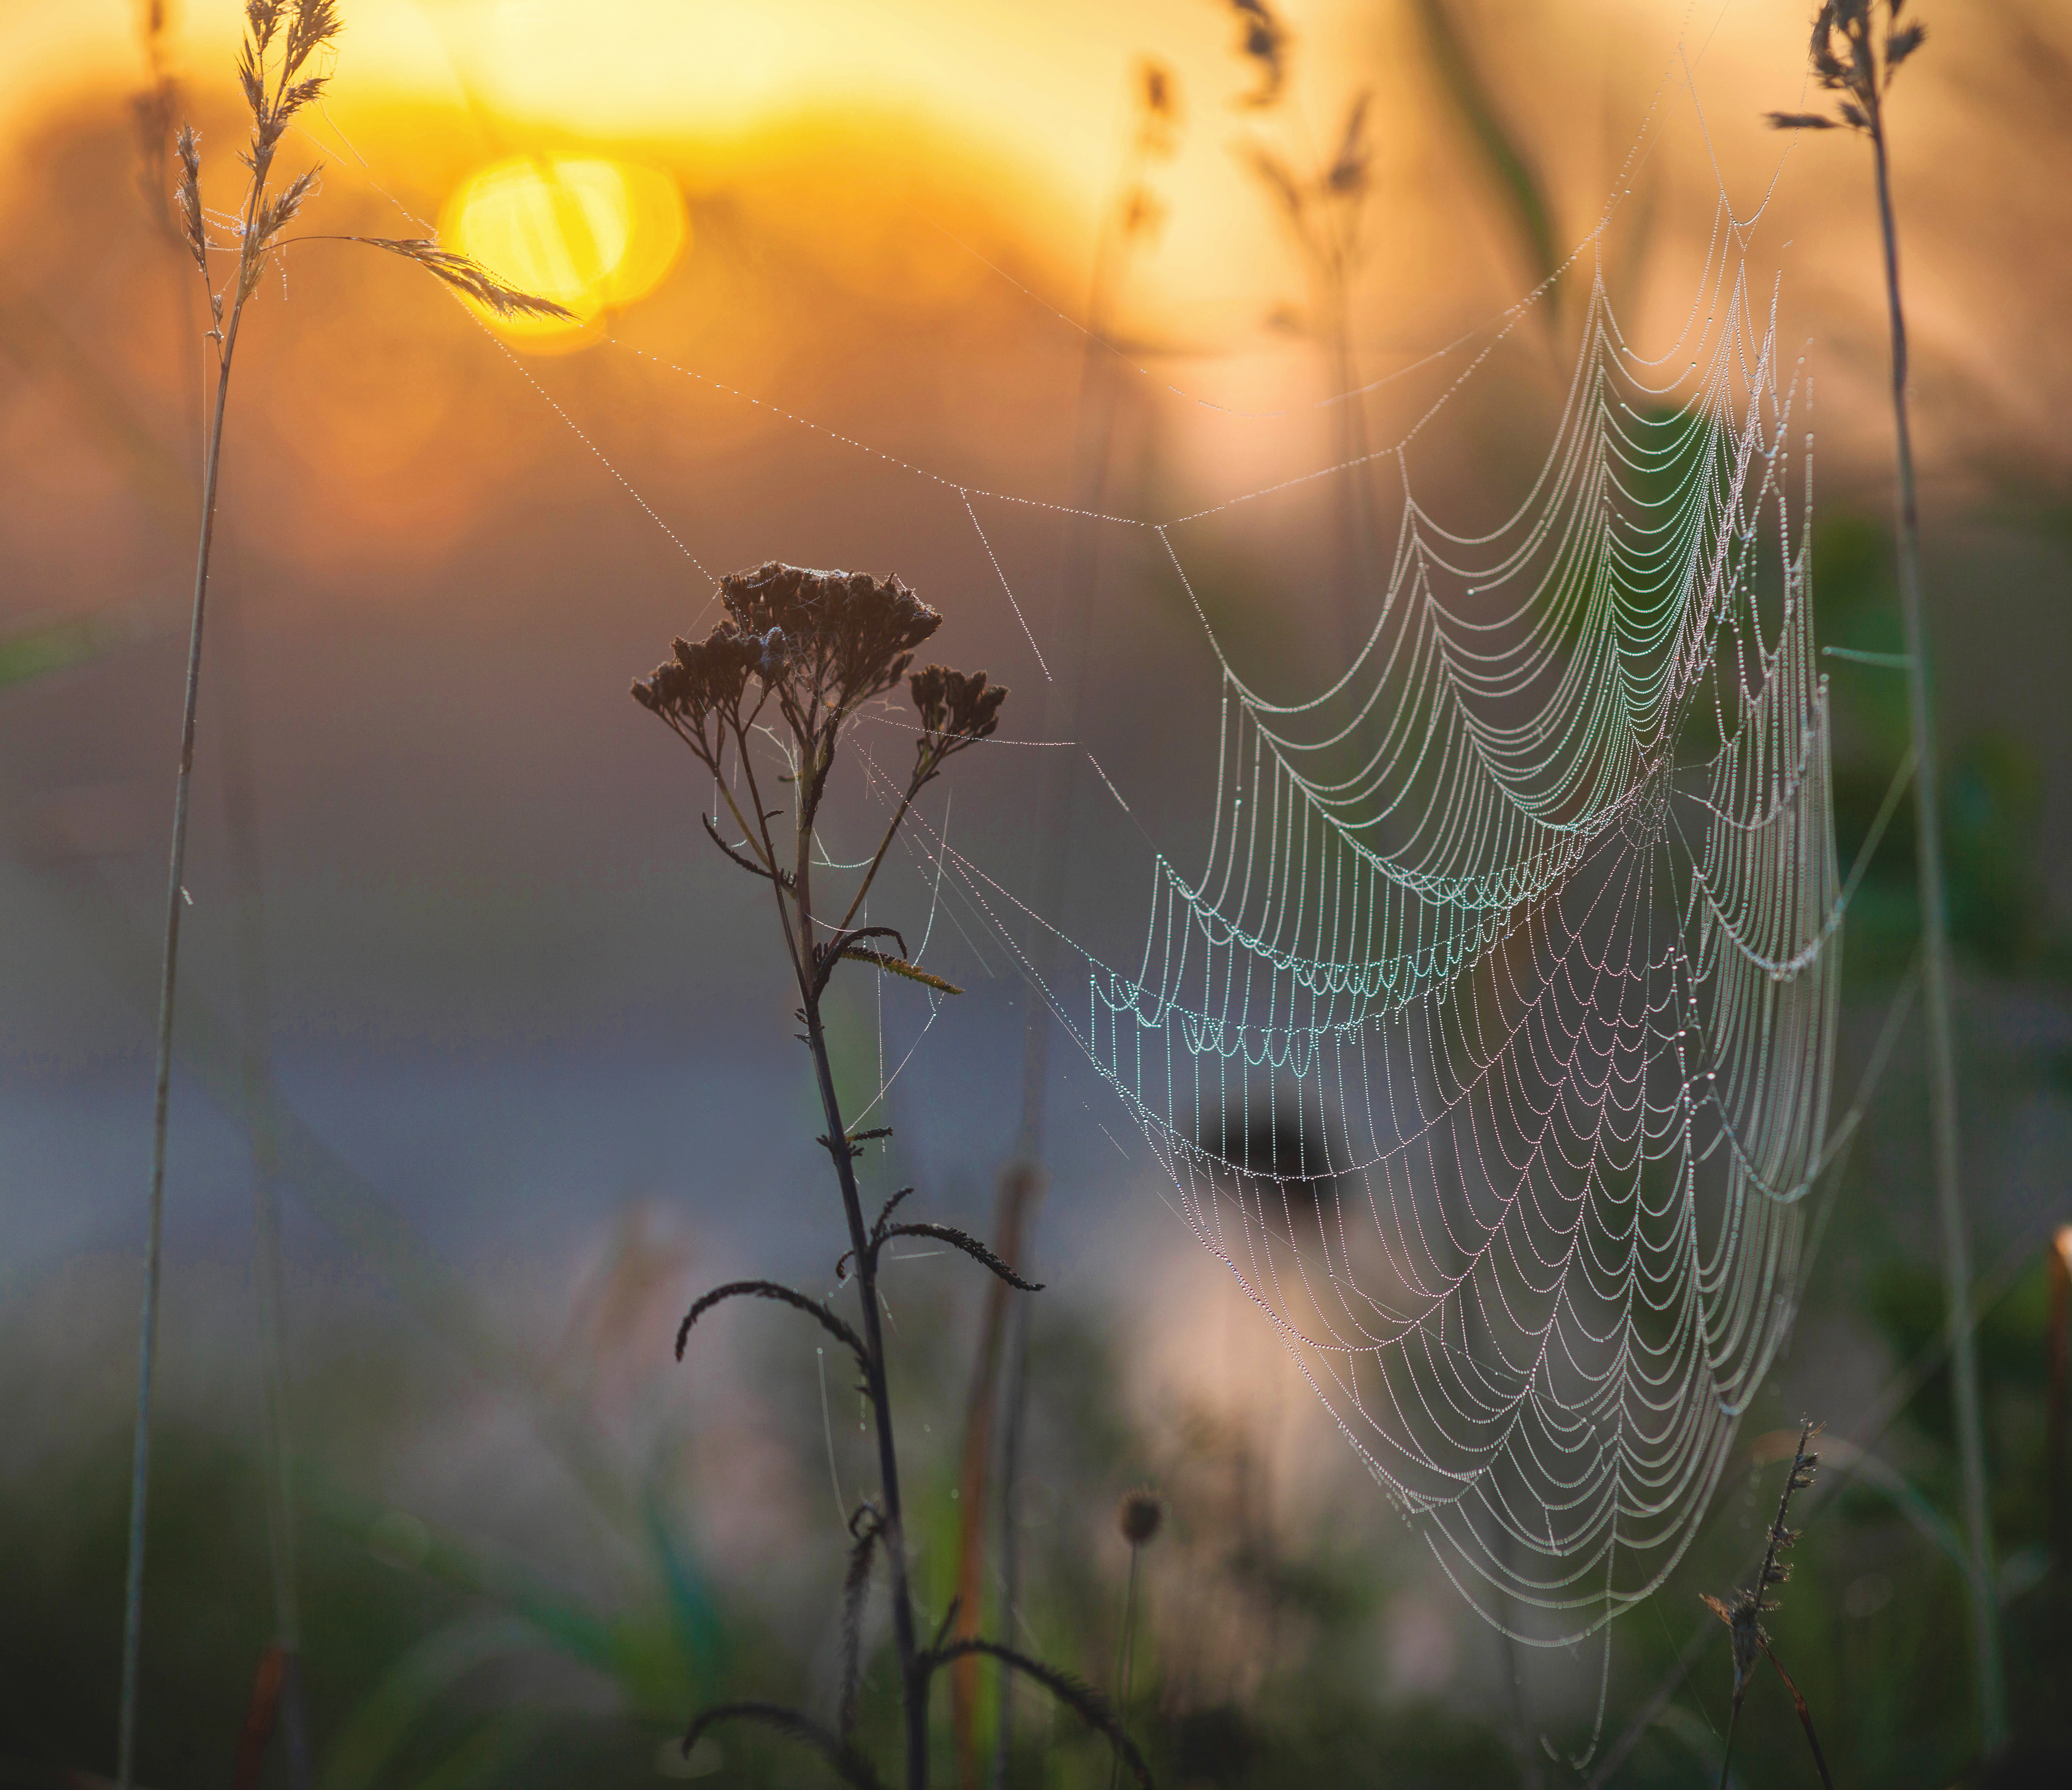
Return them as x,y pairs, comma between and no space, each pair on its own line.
537,1078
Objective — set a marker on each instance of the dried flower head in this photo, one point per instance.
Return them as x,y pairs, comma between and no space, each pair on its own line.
1139,1515
1848,58
822,643
698,692
957,708
843,637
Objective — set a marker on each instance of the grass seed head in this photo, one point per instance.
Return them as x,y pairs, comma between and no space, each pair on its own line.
1140,1515
468,279
1744,1616
189,146
1847,58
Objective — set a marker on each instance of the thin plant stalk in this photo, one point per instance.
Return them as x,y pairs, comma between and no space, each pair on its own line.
1744,1616
279,1668
1017,1392
1937,1000
2059,1262
1139,1517
1851,58
1805,1722
1124,1661
251,244
1000,1328
913,1685
281,38
140,1453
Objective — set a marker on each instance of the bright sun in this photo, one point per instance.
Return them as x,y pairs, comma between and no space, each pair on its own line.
592,235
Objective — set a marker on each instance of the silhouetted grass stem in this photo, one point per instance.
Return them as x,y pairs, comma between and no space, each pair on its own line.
140,1457
1936,990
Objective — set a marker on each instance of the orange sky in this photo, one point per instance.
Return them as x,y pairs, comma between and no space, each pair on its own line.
1034,96
897,125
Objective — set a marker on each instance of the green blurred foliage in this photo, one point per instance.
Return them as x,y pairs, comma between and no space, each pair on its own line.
1993,789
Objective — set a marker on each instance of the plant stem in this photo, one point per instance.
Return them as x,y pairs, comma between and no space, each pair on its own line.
1734,1722
1805,1722
1936,983
1123,1659
140,1459
2059,1258
912,1681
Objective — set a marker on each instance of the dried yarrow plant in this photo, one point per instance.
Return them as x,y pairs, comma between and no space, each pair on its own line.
798,653
1744,1616
281,72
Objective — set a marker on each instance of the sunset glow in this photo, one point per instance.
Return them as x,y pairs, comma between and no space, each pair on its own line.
592,235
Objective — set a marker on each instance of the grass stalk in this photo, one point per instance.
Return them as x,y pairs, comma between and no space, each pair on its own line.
1744,1615
282,40
1854,57
1123,1660
147,1347
1937,1001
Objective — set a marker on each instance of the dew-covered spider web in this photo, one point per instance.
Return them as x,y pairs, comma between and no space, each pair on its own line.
1518,944
1521,940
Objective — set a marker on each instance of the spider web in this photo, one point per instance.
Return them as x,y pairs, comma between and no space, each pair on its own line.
1517,949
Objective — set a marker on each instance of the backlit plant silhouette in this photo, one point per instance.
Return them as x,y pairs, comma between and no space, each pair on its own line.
1858,47
1744,1615
281,72
799,654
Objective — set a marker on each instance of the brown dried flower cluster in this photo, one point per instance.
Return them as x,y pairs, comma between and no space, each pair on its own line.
842,637
956,708
698,693
820,645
